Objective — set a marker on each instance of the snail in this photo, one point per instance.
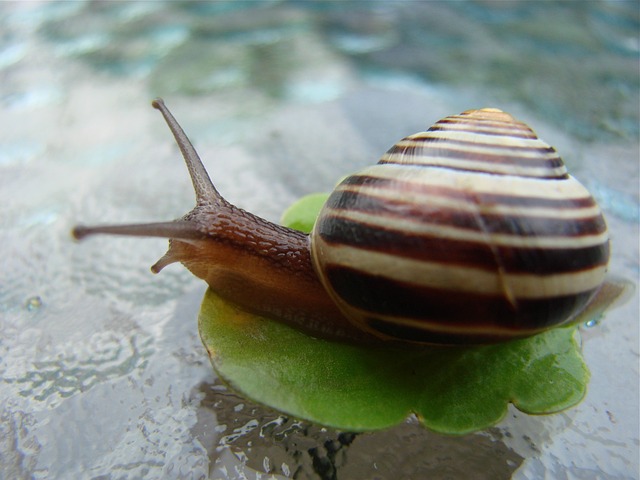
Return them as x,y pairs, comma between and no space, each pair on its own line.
471,232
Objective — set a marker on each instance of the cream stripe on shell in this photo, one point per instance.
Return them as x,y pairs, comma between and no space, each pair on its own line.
478,143
438,201
487,166
464,279
480,182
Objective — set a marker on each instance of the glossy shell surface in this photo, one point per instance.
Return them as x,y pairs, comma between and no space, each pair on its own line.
470,232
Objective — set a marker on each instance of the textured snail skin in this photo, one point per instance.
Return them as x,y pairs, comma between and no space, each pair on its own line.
471,232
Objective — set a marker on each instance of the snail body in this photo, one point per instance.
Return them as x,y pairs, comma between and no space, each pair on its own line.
471,232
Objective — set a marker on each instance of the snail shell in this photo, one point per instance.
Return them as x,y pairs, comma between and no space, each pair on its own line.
469,232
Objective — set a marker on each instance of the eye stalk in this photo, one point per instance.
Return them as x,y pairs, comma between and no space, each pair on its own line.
258,265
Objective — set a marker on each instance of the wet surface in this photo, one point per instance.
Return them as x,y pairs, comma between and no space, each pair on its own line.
102,372
263,440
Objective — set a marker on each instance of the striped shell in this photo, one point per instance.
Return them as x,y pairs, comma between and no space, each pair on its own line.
470,232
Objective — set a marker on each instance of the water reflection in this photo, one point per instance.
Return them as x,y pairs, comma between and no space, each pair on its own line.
265,441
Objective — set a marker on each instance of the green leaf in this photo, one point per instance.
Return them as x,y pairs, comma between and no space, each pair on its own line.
303,213
451,390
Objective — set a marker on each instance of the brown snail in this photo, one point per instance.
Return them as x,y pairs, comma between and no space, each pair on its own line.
470,232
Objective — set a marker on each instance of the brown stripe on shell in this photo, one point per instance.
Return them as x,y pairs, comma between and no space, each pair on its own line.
479,197
482,130
425,139
336,231
523,225
451,310
420,155
410,333
481,167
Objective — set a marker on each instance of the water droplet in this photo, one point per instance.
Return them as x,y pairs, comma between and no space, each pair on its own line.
592,323
266,464
34,303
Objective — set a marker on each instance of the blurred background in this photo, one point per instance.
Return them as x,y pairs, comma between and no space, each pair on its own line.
102,371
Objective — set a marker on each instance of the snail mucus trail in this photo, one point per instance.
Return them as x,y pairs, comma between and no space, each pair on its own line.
471,232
